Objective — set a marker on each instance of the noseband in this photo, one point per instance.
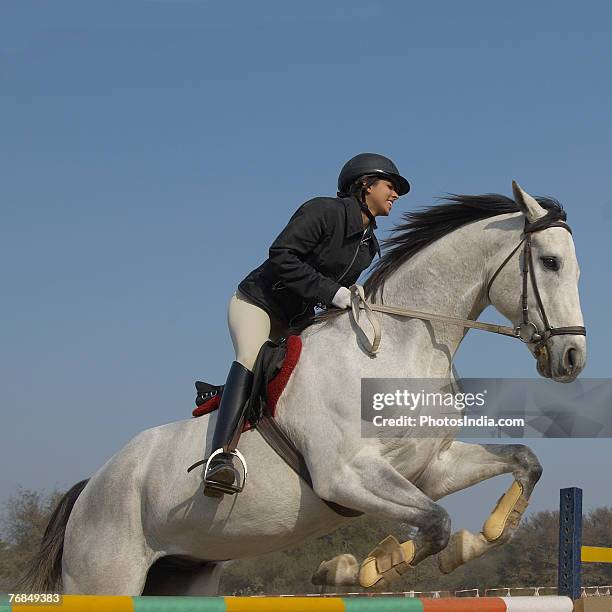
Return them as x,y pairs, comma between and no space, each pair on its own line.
528,331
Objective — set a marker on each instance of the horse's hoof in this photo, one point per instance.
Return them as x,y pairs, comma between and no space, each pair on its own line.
342,570
462,547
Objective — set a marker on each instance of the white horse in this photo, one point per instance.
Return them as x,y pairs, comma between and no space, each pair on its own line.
140,524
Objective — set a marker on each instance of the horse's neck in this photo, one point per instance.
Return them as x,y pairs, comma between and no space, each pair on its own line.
449,277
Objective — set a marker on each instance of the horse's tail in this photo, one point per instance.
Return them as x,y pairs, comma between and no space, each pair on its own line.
44,574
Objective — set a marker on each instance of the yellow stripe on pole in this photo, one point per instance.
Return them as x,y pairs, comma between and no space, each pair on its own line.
596,554
82,603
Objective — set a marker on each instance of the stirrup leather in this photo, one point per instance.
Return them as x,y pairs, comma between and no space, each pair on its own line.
239,478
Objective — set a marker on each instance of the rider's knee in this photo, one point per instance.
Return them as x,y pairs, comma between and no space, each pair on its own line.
247,360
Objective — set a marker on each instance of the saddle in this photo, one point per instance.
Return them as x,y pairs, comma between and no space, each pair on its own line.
271,373
273,368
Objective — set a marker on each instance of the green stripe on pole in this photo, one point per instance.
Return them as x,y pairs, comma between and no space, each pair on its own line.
5,606
178,604
382,604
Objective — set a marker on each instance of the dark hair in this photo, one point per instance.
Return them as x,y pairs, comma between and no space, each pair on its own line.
359,187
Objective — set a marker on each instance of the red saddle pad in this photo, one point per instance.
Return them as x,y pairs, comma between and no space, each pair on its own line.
275,386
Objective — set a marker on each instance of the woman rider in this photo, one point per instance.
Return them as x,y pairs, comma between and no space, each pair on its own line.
321,252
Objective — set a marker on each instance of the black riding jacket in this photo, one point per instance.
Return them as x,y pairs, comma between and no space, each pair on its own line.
323,247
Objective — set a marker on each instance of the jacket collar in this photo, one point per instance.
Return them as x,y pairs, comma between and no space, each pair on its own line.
354,220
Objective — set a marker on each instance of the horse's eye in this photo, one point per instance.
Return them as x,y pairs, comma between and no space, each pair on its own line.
552,263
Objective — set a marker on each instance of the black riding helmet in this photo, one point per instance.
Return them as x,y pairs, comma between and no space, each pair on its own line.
371,163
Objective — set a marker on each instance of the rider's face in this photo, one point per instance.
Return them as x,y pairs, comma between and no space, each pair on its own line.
380,197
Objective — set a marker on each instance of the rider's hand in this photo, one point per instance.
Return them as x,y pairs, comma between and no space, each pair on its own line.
342,299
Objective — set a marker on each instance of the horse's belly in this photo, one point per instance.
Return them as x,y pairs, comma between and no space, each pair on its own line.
275,510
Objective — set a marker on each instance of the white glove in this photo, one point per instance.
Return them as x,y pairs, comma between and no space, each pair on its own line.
342,299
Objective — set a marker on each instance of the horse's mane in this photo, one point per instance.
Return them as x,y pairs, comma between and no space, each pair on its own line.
420,228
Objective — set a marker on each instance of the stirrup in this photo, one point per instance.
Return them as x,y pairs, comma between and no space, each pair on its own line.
239,479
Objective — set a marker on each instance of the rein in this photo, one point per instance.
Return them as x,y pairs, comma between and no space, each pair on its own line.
527,331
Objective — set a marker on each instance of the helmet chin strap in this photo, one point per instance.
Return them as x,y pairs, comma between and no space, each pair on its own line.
368,213
364,208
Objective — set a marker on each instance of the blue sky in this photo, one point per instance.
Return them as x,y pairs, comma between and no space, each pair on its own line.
151,151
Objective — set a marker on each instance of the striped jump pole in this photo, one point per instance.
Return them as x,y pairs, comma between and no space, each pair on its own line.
94,603
572,554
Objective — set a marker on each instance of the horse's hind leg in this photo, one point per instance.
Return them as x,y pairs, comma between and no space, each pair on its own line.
110,574
105,550
103,565
463,465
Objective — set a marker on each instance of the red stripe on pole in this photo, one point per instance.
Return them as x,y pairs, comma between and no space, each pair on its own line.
465,604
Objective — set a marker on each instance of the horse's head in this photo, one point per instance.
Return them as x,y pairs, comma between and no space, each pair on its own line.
539,291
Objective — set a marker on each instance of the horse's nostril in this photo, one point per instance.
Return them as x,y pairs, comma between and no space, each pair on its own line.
571,357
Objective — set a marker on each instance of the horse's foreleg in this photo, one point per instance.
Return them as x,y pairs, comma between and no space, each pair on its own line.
372,485
463,465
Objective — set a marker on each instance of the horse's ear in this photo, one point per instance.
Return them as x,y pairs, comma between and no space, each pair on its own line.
527,204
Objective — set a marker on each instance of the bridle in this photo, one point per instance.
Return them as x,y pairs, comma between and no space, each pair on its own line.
528,331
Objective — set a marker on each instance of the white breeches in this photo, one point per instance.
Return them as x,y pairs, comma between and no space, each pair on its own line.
250,326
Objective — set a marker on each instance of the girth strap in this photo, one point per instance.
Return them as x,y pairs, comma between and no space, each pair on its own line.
286,450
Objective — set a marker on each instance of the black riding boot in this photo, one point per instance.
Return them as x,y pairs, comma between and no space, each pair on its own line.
229,418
